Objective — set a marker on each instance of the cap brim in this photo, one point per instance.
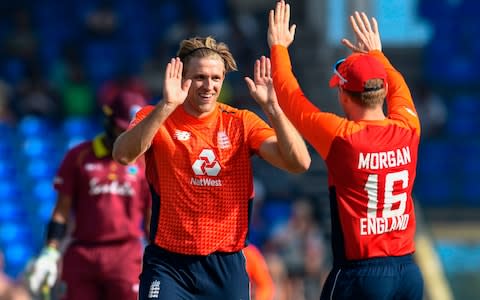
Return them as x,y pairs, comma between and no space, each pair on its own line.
334,81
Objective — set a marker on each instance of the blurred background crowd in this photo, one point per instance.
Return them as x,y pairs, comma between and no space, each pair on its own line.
61,60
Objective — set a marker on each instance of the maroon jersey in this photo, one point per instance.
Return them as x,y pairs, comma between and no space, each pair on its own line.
109,200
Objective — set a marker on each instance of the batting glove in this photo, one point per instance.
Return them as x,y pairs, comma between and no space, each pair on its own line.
44,270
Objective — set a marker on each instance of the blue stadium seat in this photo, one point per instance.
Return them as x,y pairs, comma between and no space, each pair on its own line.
7,147
464,126
17,255
165,15
276,213
436,9
13,70
8,168
462,104
43,191
41,169
10,210
35,126
74,141
102,60
9,189
39,147
431,157
468,9
436,190
11,231
79,126
44,197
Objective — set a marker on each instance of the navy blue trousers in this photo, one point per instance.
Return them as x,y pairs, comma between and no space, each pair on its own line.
218,276
386,278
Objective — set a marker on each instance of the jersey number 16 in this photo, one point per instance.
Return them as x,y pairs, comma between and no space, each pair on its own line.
389,198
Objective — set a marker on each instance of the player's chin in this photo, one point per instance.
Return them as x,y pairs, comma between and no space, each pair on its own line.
207,106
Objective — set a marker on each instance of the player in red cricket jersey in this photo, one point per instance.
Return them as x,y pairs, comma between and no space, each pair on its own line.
371,159
109,202
198,158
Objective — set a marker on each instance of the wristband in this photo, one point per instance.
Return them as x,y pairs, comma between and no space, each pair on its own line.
56,230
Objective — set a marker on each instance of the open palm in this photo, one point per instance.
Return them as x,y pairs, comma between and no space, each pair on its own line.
261,87
175,92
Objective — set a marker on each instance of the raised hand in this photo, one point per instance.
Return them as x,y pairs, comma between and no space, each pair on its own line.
279,32
366,34
174,90
261,87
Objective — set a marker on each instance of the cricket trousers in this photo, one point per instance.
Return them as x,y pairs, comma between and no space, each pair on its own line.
172,276
383,278
106,271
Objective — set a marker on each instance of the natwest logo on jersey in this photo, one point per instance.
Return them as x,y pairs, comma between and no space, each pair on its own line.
206,165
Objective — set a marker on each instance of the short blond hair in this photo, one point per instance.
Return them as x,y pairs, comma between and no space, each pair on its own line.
206,47
373,95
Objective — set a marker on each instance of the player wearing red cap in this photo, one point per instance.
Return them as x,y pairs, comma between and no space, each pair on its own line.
198,156
371,159
108,202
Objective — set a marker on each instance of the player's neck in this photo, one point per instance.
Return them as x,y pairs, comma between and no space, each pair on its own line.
367,114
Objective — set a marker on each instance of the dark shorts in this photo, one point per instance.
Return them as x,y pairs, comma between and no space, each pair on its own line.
166,275
108,271
395,278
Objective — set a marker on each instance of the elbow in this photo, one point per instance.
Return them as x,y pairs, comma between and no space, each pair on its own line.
302,165
306,163
119,156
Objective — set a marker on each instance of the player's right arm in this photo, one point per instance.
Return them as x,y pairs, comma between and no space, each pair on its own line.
43,271
60,215
319,128
133,143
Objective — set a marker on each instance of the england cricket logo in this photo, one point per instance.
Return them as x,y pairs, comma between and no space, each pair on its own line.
154,290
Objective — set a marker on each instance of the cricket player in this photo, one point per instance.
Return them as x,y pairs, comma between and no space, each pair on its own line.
371,158
108,203
198,158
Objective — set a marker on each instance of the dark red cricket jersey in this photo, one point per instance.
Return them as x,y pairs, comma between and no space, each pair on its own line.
109,199
371,165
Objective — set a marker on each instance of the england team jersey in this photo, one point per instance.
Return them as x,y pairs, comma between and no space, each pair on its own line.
109,200
201,177
371,165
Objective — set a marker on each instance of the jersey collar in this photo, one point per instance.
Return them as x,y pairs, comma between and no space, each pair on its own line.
194,120
99,148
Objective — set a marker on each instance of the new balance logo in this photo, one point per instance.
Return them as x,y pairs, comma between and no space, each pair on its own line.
182,135
154,290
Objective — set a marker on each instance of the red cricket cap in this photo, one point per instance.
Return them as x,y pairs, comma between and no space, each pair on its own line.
124,107
353,72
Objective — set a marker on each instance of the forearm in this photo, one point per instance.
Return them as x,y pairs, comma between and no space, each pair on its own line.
291,146
133,143
398,94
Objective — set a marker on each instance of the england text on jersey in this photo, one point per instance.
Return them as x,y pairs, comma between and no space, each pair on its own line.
370,226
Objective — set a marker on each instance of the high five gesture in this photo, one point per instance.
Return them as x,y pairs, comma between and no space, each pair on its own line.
366,34
279,31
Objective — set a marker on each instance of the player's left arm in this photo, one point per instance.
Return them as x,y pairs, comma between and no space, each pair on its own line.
399,99
286,150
